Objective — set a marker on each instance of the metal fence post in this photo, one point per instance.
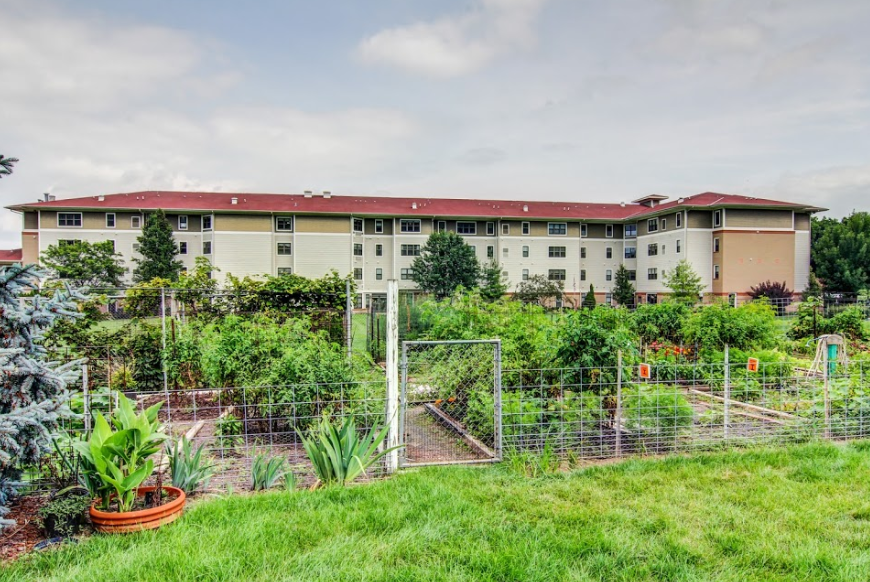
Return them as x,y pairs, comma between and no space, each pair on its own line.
617,415
392,404
348,324
497,400
827,390
726,412
163,352
87,400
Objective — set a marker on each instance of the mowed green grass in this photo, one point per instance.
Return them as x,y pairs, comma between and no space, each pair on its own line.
799,513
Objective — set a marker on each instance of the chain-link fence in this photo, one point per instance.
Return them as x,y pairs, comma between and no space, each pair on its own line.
450,402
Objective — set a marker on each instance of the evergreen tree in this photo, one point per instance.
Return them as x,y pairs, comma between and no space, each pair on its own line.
623,290
589,299
684,283
539,290
33,393
444,264
84,264
493,284
158,249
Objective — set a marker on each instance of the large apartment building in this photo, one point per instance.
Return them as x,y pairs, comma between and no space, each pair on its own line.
733,242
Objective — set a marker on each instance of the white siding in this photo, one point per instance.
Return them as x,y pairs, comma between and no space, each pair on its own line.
801,260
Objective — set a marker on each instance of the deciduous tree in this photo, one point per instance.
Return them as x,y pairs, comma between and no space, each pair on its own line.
445,263
85,264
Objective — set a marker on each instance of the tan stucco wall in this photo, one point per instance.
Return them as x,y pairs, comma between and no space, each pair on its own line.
746,259
29,248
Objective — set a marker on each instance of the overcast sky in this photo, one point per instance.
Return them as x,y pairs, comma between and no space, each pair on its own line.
512,99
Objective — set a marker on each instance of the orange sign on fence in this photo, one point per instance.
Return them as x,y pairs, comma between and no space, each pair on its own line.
644,371
752,365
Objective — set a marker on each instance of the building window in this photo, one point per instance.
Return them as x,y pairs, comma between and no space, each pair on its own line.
717,219
630,230
632,275
285,248
558,252
525,252
557,228
715,271
69,218
525,274
207,222
583,231
679,219
379,274
409,225
357,250
182,248
556,274
715,245
505,229
504,252
410,250
608,231
490,252
582,274
652,250
182,222
68,242
466,228
406,274
441,226
608,298
652,274
379,250
679,246
608,275
285,270
582,252
473,248
110,220
379,226
526,228
652,225
664,223
490,228
282,223
357,224
206,247
663,249
357,273
608,253
630,252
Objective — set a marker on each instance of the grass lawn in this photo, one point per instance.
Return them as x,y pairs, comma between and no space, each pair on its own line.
798,513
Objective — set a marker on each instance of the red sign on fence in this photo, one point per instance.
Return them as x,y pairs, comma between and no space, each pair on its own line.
644,371
752,365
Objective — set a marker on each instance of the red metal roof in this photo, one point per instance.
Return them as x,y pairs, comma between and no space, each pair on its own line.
10,255
388,206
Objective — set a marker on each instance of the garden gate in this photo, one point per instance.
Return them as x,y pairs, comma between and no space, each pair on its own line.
450,402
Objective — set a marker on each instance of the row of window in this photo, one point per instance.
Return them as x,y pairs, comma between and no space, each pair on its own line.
653,248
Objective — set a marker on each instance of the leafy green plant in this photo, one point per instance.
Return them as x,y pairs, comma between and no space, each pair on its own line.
290,481
266,472
116,462
64,515
228,429
339,455
188,468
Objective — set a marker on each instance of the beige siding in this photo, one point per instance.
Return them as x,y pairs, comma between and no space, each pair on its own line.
699,219
802,222
31,220
801,260
243,255
29,248
738,218
242,223
323,224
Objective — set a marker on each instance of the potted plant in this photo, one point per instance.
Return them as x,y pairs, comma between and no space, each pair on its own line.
116,461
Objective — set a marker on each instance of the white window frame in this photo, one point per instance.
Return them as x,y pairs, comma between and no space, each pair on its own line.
70,214
652,274
582,252
551,272
379,226
379,250
716,273
717,218
182,222
652,225
626,253
490,229
716,244
525,274
278,249
679,219
504,252
283,218
210,226
210,248
182,247
625,232
525,251
551,225
490,251
526,228
379,274
357,274
466,224
114,220
663,224
679,246
608,275
582,274
410,226
608,231
358,246
557,252
441,226
362,225
608,252
136,221
285,270
406,274
584,231
410,250
505,229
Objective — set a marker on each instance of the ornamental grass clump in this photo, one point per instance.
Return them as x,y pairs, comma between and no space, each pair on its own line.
338,454
188,468
266,472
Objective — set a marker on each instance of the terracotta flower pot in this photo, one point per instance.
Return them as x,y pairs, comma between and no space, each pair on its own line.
131,521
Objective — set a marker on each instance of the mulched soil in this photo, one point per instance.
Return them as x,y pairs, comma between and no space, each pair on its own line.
19,539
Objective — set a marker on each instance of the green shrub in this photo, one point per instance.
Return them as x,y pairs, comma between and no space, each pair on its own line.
657,409
65,515
750,326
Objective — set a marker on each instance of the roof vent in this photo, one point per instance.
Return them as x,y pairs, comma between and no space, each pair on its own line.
622,204
46,197
680,200
308,194
413,205
101,198
525,207
234,200
327,194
